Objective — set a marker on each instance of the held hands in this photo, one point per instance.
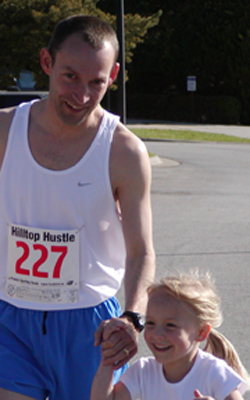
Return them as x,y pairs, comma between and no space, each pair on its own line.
198,395
119,341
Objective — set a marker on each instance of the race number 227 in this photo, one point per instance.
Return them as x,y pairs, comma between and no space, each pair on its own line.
44,254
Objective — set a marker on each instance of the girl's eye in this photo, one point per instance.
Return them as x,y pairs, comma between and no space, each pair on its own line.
149,323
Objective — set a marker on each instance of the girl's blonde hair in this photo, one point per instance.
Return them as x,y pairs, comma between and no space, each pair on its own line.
199,293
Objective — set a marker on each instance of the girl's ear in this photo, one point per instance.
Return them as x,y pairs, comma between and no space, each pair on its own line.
203,332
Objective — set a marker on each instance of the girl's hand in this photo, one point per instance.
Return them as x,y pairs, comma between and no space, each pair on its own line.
234,395
198,395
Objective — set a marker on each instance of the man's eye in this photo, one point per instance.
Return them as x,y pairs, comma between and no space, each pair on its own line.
98,82
70,75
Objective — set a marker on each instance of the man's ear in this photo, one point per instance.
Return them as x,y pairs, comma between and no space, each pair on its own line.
203,333
114,73
45,60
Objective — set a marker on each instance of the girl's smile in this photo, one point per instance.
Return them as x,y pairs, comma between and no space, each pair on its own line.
172,334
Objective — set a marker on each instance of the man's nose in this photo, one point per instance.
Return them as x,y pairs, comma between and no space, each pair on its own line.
81,94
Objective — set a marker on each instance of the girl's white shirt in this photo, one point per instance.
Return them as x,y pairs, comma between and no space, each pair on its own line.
212,376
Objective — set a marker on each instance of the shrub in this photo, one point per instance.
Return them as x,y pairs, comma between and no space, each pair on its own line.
185,108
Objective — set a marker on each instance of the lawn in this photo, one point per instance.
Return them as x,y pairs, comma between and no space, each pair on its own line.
170,134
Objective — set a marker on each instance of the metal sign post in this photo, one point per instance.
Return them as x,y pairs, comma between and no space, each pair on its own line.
191,87
121,91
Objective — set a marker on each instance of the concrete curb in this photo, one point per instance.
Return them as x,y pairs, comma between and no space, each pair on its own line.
157,161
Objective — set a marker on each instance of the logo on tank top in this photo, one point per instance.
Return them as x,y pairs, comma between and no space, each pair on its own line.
81,184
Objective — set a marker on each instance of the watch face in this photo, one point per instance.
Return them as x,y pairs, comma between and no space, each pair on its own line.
137,319
141,320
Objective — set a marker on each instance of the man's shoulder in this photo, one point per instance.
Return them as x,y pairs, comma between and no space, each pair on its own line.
126,140
7,111
123,130
129,155
6,116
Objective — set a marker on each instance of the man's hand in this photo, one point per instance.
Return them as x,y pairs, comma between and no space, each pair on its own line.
119,341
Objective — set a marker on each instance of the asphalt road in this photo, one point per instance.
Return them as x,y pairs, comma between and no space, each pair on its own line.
201,217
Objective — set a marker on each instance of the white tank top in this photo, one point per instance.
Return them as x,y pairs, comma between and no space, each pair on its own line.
59,208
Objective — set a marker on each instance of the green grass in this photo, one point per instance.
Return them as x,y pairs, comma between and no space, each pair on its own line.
171,134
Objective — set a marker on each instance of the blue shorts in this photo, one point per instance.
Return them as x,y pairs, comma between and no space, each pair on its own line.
51,354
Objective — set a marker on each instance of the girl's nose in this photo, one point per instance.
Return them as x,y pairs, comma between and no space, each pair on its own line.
159,331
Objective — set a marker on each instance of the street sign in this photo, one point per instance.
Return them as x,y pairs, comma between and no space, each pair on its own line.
191,83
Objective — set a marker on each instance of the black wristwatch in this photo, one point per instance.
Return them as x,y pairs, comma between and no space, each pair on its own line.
138,320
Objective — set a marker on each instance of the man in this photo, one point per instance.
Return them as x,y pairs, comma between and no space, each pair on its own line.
75,217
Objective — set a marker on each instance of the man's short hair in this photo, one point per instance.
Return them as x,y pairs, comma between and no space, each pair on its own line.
93,30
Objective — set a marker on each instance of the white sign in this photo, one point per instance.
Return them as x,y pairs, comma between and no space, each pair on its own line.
191,83
43,265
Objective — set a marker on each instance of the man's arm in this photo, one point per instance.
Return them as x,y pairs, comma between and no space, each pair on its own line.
130,173
131,181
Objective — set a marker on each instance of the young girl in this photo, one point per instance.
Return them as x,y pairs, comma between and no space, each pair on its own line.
182,312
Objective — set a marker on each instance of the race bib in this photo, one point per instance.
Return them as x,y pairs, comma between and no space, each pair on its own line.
43,265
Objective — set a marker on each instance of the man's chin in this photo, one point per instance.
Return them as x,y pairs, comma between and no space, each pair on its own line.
75,120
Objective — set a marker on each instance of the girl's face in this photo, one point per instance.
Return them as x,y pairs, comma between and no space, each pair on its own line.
172,334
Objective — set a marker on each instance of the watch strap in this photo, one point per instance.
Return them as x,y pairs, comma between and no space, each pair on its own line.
137,319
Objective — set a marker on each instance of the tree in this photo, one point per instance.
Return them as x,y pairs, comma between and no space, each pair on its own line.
26,26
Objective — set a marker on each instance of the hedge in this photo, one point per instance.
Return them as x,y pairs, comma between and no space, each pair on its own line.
185,108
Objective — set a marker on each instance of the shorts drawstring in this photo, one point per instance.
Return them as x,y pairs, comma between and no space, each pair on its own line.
44,330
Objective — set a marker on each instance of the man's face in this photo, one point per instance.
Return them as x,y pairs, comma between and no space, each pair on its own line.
79,78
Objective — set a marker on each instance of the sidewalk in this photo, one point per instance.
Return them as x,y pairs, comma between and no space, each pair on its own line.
230,130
